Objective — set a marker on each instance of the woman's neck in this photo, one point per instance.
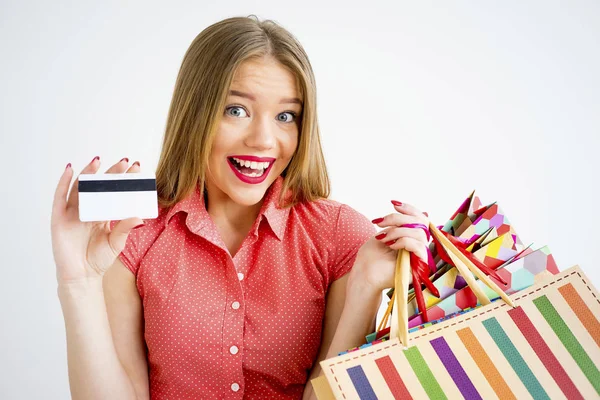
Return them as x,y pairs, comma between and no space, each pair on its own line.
233,220
232,213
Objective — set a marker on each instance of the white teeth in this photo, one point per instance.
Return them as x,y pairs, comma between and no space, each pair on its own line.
259,166
254,174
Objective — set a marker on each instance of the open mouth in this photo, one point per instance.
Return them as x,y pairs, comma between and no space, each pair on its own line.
251,169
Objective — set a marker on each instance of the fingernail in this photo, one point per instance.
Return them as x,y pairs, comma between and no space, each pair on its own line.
390,242
425,214
380,236
124,159
396,203
377,220
96,158
136,163
68,166
137,226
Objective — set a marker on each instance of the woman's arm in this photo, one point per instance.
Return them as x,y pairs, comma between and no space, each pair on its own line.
95,368
83,252
126,317
349,316
354,299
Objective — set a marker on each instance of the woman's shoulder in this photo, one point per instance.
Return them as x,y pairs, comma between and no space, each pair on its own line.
344,230
322,205
149,231
154,227
320,208
328,211
141,239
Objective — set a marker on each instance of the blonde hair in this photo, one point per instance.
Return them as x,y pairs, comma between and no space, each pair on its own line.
199,99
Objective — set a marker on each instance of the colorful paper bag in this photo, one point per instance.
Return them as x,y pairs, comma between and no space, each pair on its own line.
520,274
547,347
493,254
474,223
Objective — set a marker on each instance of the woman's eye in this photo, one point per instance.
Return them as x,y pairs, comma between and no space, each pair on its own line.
236,111
286,116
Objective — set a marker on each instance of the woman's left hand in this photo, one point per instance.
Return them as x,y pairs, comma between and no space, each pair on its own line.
375,264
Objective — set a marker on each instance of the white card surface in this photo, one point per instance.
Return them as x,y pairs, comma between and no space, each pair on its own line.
113,197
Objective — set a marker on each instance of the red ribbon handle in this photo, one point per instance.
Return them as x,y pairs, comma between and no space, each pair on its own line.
422,271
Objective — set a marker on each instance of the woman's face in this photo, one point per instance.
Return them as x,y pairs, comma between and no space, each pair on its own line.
258,133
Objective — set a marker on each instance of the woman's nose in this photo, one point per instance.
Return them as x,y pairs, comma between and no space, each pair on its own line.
262,134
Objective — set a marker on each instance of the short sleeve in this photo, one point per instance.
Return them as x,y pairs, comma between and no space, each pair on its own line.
352,230
130,254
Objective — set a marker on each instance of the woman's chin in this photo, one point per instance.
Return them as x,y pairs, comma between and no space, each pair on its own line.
247,201
248,196
246,193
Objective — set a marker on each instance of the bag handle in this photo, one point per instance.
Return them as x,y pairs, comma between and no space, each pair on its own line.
466,268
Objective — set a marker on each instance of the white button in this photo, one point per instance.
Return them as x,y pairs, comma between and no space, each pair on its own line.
235,387
240,276
233,350
235,305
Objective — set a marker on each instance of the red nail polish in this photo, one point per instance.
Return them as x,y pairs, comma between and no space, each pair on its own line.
124,159
390,242
380,236
68,166
377,220
136,163
137,226
396,203
425,214
96,158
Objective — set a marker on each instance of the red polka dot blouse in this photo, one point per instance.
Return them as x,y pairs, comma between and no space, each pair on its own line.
248,326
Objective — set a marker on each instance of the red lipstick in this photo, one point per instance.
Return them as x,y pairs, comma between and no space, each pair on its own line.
253,180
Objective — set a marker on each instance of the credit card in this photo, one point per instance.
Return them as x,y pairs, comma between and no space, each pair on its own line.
113,197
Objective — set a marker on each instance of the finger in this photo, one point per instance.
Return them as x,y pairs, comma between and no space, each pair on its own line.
408,209
91,168
410,244
394,233
62,189
397,219
119,167
118,235
135,167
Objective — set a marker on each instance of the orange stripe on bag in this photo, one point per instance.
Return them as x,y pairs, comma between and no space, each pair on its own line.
485,364
581,310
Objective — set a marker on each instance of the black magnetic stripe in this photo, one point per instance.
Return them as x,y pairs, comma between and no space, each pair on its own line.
127,185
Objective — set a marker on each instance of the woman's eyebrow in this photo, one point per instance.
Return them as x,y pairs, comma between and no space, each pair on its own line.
293,100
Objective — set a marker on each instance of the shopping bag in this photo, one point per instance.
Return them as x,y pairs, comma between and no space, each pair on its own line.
546,346
519,274
494,254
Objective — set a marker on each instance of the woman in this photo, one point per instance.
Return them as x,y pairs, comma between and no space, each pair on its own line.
241,285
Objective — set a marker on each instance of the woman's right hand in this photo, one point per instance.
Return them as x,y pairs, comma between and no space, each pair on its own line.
85,249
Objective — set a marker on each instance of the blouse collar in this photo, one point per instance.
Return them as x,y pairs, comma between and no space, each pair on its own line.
199,221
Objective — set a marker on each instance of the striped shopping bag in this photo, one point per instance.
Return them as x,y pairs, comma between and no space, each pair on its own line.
546,347
540,343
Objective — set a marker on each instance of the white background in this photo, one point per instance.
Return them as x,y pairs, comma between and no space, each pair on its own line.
420,103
